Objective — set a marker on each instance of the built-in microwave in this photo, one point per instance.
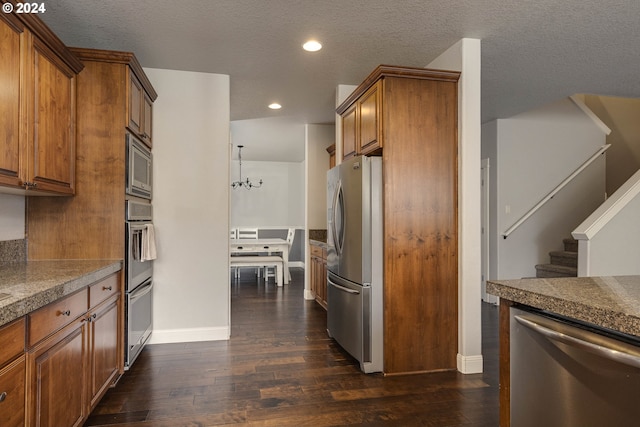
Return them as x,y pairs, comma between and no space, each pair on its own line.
139,168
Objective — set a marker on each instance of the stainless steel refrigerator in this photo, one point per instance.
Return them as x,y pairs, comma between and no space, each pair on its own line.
355,259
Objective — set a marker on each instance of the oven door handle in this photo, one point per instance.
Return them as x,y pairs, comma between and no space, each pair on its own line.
141,291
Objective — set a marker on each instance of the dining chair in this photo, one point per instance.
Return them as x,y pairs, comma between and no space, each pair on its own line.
247,233
270,271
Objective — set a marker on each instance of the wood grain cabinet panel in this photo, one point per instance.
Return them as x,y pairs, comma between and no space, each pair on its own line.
104,350
139,110
38,108
57,378
409,117
48,319
12,390
370,133
350,133
11,34
318,274
52,137
12,340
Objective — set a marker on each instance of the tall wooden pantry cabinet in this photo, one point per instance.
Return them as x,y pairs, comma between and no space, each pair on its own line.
409,117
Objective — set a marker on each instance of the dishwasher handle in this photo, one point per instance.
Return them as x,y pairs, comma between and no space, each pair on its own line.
581,342
343,288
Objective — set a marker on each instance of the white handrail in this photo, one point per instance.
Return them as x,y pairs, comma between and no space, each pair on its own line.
555,191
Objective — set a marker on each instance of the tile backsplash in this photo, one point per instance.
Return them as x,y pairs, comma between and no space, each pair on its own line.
13,250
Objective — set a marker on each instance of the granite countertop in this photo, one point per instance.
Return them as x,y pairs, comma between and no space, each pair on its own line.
611,302
34,284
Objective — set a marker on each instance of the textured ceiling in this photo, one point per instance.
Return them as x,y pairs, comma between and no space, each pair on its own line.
533,52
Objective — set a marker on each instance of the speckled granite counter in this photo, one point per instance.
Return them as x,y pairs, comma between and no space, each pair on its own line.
609,302
34,284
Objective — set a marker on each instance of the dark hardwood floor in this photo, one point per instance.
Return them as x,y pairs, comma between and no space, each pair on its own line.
281,369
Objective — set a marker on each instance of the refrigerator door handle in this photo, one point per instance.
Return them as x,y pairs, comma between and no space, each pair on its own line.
337,227
342,288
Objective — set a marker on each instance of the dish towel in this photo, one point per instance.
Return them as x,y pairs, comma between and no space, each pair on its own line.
148,243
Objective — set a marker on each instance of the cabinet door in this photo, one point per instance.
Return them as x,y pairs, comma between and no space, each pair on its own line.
10,149
370,140
147,110
134,112
349,132
12,389
57,378
52,143
103,348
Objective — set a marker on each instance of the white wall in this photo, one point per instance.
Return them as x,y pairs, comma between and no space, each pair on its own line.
614,250
533,153
191,154
11,217
464,56
280,200
318,138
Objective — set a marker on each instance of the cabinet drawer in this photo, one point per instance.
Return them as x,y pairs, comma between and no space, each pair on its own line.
103,289
316,251
12,340
56,315
12,386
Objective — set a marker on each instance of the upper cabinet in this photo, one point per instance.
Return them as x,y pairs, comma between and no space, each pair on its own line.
38,109
361,131
139,109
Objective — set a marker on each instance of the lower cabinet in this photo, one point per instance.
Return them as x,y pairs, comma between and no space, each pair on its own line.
70,368
12,391
103,349
318,274
58,377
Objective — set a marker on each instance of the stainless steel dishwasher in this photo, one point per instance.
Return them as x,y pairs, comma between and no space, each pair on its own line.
565,373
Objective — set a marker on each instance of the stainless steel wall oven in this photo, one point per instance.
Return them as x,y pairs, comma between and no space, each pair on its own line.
139,280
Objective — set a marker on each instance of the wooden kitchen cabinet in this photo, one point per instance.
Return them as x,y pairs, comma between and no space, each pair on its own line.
139,111
12,390
74,354
12,374
38,109
318,274
57,378
361,130
332,155
105,351
11,36
57,362
409,117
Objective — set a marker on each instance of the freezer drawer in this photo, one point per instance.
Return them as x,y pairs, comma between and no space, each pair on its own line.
564,375
348,317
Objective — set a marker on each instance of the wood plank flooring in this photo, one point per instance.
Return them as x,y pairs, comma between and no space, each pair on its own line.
281,369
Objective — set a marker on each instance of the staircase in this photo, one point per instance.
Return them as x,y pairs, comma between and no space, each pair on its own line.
563,263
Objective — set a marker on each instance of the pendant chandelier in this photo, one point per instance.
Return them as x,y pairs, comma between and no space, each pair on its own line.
246,183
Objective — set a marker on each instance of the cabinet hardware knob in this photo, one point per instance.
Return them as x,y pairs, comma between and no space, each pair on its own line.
106,288
3,396
65,313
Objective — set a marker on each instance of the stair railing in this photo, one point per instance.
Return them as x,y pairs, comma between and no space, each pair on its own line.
555,191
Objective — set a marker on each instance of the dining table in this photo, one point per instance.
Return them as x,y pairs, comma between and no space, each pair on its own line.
239,247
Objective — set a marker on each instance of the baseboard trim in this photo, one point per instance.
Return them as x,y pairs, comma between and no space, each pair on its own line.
469,364
309,295
168,336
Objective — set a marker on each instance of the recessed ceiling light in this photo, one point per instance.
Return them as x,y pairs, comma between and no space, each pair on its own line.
312,46
275,106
